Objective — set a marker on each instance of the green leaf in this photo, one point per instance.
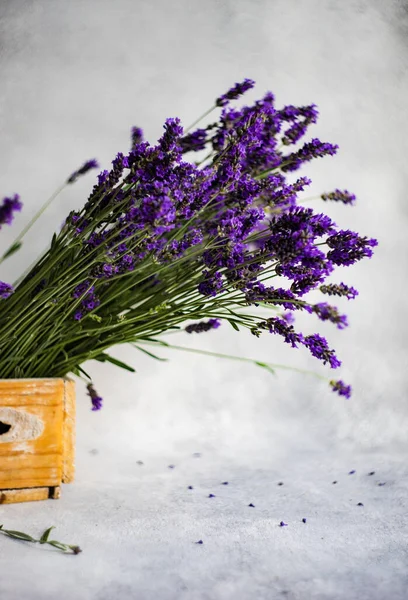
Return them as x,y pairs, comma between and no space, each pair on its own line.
81,370
265,366
106,358
95,317
19,535
16,246
148,339
233,324
59,545
46,535
150,354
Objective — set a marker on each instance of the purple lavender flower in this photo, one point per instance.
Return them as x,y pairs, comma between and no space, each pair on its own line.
313,149
348,247
89,301
288,317
136,135
281,327
7,209
301,118
235,92
326,312
95,399
211,284
103,177
341,289
343,196
5,290
170,140
292,243
341,388
194,141
87,166
319,348
203,326
230,220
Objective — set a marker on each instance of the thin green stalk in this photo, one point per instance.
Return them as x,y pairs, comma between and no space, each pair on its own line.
34,219
200,118
232,357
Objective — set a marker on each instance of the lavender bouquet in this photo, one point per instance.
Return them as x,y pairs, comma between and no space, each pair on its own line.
164,244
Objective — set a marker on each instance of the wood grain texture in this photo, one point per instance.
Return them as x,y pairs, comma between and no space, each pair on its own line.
48,459
23,495
68,440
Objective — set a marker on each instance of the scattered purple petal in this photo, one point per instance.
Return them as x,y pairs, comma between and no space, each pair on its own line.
211,495
200,542
190,487
351,472
280,483
303,520
372,473
224,483
360,504
382,483
171,466
282,524
251,505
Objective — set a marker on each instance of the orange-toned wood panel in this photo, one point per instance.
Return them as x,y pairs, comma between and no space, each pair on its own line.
68,442
24,495
33,462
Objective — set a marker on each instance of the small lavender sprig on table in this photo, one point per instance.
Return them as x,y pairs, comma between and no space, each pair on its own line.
44,539
165,245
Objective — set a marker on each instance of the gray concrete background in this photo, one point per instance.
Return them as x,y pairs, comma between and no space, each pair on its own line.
74,77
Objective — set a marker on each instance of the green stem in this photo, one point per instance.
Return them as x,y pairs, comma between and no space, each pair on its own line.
34,219
232,357
200,118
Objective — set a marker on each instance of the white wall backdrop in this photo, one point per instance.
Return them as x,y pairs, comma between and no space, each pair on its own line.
76,75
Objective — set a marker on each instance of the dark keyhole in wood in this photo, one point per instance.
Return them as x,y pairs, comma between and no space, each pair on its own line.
4,427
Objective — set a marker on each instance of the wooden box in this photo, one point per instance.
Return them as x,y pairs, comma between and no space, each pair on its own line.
37,438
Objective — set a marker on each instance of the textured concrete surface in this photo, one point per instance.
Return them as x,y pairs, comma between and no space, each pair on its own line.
75,76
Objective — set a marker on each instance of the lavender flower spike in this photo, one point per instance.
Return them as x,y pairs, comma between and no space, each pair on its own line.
5,290
341,388
95,399
343,196
136,135
203,326
8,207
235,92
87,166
